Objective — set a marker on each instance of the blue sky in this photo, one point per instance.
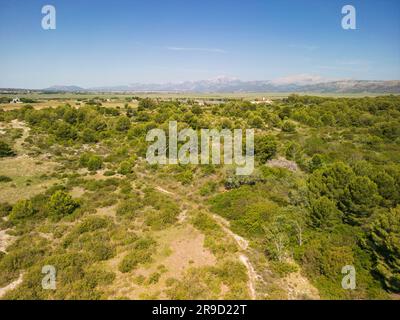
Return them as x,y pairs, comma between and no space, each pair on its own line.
121,42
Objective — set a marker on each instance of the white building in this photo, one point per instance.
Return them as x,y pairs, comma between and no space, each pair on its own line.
15,100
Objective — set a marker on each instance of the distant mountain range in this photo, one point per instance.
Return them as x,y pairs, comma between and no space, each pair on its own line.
230,85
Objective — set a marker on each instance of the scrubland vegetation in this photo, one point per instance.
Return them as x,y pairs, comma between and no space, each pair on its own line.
110,223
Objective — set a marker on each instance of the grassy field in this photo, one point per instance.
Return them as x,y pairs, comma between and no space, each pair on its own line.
181,95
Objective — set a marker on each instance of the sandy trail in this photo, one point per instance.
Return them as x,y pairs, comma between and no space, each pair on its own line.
5,240
158,188
224,224
242,243
295,284
252,274
11,286
16,124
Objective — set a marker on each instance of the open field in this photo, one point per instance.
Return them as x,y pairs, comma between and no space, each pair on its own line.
180,95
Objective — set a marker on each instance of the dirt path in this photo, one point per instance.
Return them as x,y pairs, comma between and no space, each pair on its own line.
242,243
295,284
16,124
11,286
158,188
225,225
252,274
298,286
5,240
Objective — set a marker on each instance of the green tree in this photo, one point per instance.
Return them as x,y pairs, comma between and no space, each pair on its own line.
330,181
146,104
383,239
256,122
65,131
61,204
265,147
316,162
359,199
386,186
324,214
293,151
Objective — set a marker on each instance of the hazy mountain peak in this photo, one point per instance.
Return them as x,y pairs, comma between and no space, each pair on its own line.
296,83
300,79
65,88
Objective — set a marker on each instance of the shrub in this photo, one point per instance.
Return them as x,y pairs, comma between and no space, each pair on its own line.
5,150
282,268
153,278
101,251
5,179
61,204
21,210
129,207
125,167
316,162
89,135
91,161
185,177
132,259
109,173
288,126
383,239
324,213
146,103
208,188
5,209
92,224
265,147
122,124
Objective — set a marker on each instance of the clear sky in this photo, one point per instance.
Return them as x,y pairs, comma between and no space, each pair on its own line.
120,42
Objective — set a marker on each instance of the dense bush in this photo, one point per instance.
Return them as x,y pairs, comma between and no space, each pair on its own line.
265,147
383,238
91,161
5,179
141,254
5,150
21,210
61,204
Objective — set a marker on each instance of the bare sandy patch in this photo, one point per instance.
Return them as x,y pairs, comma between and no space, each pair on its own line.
77,192
179,248
5,240
299,287
99,175
188,250
107,211
28,177
11,286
